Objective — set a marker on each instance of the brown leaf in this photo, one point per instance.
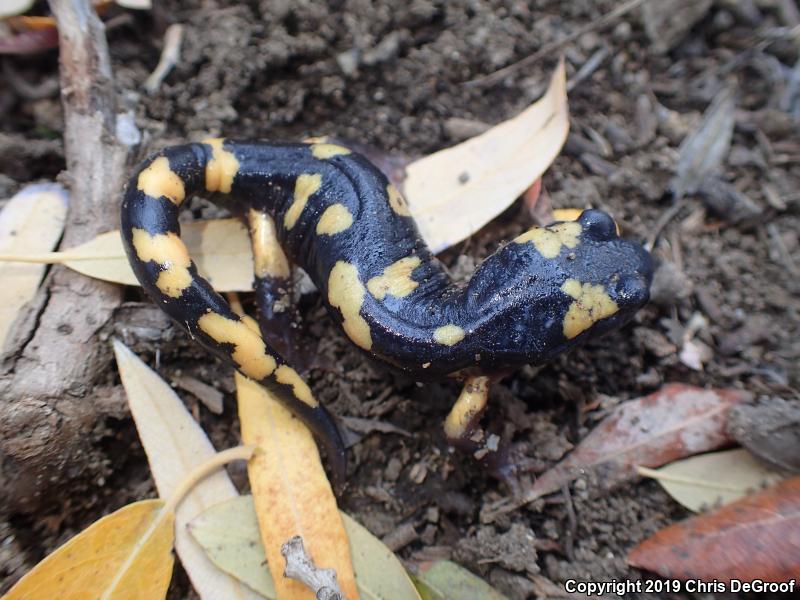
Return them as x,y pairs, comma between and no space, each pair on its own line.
757,537
672,423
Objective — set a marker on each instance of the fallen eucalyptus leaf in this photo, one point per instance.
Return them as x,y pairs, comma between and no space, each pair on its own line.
127,554
757,537
229,534
708,480
291,492
9,8
674,422
443,580
456,191
175,444
219,247
136,4
704,150
32,221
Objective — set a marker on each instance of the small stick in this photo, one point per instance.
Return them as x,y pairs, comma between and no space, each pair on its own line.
170,55
552,47
300,567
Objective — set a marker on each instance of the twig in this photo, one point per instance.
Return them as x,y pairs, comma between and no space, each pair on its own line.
662,222
300,567
56,364
552,47
29,91
572,520
170,55
783,251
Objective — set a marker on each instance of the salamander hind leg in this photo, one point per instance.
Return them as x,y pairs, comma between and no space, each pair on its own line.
462,429
277,314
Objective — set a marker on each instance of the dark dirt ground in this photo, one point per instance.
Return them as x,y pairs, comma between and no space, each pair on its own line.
390,75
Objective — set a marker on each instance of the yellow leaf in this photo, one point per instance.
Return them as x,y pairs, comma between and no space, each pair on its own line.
219,247
127,554
32,221
175,444
707,480
229,534
291,491
456,191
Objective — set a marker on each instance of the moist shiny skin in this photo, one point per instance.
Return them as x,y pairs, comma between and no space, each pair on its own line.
337,216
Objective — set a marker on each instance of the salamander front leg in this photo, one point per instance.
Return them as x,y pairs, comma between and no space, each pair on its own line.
277,315
462,428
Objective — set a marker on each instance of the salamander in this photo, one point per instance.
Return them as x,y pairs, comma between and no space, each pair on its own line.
337,216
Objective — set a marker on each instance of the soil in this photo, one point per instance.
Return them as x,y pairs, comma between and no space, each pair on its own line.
393,78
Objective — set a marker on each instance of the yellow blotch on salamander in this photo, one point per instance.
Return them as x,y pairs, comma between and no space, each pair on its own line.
268,256
469,405
171,254
160,180
305,185
591,303
396,279
549,240
397,202
336,219
346,292
325,151
250,351
288,376
448,335
222,167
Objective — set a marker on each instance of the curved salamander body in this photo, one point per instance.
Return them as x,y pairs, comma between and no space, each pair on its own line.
338,217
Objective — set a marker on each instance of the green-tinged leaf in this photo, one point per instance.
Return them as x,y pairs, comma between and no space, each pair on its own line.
229,534
707,480
445,580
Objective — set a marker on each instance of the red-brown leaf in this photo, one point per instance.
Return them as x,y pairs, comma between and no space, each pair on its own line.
757,537
672,423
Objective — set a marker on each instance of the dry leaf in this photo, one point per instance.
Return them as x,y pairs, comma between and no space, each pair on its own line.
9,8
456,191
442,580
219,247
32,221
291,491
770,429
672,423
136,4
175,444
757,537
704,150
124,555
229,534
713,479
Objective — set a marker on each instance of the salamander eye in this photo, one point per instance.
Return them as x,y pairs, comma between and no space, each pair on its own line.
598,225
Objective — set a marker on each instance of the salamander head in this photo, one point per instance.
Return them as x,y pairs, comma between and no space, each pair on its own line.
564,284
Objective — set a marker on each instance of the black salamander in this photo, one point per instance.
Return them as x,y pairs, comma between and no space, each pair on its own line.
337,216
